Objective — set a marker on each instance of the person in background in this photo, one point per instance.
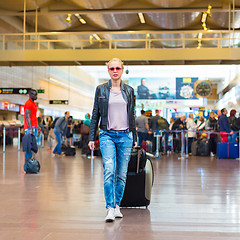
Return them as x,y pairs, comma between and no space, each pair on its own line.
179,124
219,113
59,130
163,126
224,125
69,132
50,133
212,125
154,129
41,125
114,106
191,127
85,136
201,124
171,123
142,90
30,118
142,128
233,125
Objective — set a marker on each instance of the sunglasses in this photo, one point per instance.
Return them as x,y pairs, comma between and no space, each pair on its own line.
117,68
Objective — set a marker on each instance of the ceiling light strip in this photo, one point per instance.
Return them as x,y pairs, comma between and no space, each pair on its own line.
141,17
97,37
81,20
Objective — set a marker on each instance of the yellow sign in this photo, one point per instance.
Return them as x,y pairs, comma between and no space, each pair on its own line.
187,80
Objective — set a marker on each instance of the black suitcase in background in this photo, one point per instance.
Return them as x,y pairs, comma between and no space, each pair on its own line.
139,182
69,151
194,148
203,147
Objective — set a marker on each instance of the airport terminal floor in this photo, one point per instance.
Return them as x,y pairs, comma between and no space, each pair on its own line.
192,198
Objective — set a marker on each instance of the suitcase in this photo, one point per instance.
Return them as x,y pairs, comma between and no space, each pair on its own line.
139,184
203,148
227,150
69,151
133,163
32,166
147,146
194,148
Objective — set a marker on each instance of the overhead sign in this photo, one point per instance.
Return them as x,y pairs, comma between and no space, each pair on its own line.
197,108
14,90
41,91
58,102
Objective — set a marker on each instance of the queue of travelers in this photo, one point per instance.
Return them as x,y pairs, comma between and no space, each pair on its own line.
223,128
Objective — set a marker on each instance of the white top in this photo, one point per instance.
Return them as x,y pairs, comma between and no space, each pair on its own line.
117,112
191,127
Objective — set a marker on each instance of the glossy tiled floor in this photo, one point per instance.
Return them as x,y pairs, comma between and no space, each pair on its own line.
198,198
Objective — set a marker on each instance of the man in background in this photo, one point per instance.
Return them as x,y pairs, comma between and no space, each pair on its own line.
224,125
142,128
30,118
59,130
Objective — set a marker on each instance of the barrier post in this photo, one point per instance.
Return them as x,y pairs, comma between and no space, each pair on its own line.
157,155
19,142
4,139
238,145
182,145
186,155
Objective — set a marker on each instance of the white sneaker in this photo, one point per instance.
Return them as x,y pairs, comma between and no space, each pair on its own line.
211,154
117,212
110,215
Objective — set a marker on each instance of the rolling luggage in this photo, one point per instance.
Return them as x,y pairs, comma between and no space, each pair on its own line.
70,151
227,150
147,146
203,148
32,166
194,148
139,182
200,147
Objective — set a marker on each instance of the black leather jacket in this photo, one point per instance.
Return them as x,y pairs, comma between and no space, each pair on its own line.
100,109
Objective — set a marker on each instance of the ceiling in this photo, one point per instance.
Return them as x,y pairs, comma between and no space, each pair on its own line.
163,18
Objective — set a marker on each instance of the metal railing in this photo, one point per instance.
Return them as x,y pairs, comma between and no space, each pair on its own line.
184,140
4,138
120,40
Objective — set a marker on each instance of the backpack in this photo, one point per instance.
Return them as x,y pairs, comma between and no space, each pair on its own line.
54,123
32,165
161,124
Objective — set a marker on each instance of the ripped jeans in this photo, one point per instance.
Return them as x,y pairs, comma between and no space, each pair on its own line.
116,150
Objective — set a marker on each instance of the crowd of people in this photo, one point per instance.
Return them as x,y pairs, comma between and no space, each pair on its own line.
217,128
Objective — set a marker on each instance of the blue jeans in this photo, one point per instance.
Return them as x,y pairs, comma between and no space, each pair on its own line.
35,132
57,149
116,149
39,140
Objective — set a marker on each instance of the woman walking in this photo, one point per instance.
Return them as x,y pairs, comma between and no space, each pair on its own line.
114,105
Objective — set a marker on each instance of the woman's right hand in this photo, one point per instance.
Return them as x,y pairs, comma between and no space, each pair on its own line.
91,145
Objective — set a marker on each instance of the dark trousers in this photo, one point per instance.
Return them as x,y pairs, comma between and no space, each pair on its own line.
142,136
213,144
85,148
190,141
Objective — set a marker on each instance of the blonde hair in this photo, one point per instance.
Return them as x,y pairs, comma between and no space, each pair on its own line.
191,115
117,60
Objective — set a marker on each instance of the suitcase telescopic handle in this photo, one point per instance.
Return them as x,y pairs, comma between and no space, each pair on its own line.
138,157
